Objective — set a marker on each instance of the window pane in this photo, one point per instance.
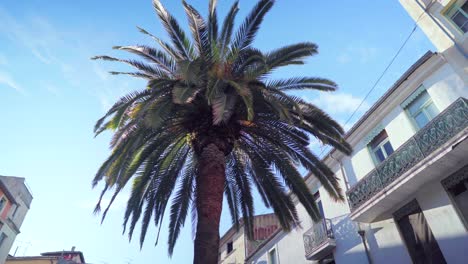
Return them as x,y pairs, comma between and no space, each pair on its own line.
415,106
273,257
388,148
320,207
2,203
432,111
465,7
382,136
421,120
459,19
229,247
464,27
379,155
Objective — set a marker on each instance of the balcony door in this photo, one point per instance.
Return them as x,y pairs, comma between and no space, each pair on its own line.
417,234
457,188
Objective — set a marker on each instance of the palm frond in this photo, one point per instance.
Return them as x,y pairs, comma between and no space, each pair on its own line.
228,25
166,46
178,37
212,23
145,68
302,83
152,55
199,30
180,204
247,31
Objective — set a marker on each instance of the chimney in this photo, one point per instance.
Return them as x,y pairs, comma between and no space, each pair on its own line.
73,248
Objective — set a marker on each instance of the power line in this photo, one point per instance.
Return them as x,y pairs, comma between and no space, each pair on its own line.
381,75
389,64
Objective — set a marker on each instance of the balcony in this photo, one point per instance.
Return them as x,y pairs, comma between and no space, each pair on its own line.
319,240
436,148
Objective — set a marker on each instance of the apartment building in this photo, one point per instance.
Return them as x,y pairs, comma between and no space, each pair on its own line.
406,181
234,245
15,201
56,257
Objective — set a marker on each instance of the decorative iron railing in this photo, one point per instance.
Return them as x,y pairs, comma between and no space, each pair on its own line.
438,131
318,234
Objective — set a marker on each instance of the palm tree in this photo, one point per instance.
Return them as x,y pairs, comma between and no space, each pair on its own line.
211,123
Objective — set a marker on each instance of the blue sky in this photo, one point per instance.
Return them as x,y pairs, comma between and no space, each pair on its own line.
52,94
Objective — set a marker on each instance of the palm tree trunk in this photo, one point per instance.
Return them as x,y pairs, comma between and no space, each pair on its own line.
210,187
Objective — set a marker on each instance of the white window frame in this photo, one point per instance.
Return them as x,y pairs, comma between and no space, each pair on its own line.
379,146
276,255
452,8
423,109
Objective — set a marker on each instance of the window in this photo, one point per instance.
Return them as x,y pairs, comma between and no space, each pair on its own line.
458,15
3,237
3,202
422,109
14,211
318,201
272,258
380,147
229,247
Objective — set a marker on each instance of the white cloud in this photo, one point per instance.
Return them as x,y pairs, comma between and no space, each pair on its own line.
102,74
358,53
50,88
105,103
338,103
347,126
344,58
366,54
34,33
40,56
45,41
7,80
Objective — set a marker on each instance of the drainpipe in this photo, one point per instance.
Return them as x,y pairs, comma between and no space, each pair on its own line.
458,47
362,234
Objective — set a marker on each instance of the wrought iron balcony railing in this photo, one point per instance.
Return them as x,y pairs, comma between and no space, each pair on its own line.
318,234
438,131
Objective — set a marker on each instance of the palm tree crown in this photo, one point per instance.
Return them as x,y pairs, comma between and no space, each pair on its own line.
214,88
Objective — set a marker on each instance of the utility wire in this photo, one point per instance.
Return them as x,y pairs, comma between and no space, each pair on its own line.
381,75
390,63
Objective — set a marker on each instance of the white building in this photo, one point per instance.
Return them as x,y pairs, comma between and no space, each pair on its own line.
407,178
15,200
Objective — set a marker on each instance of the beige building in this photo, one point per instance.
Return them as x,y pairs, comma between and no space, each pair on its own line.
15,200
234,245
58,257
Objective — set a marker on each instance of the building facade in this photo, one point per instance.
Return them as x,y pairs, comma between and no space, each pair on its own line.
57,257
234,245
406,181
15,201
